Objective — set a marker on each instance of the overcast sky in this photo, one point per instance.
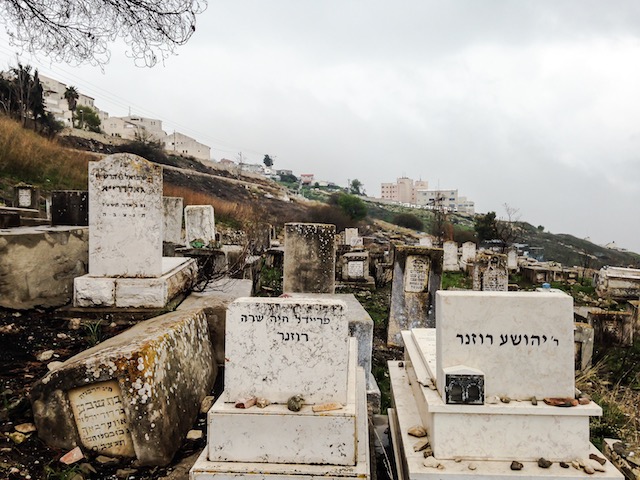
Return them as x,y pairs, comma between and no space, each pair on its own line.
531,103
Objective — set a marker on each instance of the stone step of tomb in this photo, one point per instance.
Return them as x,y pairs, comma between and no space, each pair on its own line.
178,275
204,469
277,435
491,437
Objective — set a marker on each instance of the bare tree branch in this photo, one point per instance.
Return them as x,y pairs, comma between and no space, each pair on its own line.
78,31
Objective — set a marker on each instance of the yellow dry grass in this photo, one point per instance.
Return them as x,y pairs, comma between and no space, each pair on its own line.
29,157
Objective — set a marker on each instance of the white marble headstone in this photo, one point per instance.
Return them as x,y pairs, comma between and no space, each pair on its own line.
355,269
277,348
468,252
450,259
125,217
199,224
522,341
416,274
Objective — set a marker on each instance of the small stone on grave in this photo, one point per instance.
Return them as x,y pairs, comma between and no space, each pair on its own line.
516,466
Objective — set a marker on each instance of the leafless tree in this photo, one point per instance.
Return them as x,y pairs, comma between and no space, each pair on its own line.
508,228
78,31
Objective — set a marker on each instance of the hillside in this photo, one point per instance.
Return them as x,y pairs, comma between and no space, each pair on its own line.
241,199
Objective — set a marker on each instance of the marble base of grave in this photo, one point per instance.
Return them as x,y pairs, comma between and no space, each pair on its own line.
205,469
134,395
178,276
410,464
304,437
535,431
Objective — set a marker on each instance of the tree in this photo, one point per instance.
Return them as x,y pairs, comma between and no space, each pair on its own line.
22,95
87,118
268,161
485,226
71,96
78,31
355,187
350,204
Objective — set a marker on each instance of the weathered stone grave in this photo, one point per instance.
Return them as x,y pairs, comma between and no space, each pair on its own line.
38,265
352,237
134,395
293,357
126,267
26,196
172,213
468,255
199,225
512,259
417,275
70,207
611,327
355,269
309,258
488,385
489,273
618,283
450,258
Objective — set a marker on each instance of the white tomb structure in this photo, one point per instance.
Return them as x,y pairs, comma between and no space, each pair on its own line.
277,349
199,224
450,258
126,266
477,384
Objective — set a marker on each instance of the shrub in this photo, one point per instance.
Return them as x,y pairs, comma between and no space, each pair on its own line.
408,220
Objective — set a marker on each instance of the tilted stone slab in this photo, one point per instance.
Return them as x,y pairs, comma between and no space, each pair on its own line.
134,395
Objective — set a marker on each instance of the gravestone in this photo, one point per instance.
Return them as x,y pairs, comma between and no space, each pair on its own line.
468,254
125,217
172,219
351,237
417,275
512,259
450,260
490,273
135,395
510,337
309,258
199,224
126,266
476,383
294,357
276,349
26,196
70,207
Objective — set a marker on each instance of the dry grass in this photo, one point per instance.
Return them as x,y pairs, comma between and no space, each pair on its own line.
621,414
231,213
31,158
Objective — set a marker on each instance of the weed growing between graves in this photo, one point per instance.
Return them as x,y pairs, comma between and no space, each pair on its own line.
618,396
94,332
456,280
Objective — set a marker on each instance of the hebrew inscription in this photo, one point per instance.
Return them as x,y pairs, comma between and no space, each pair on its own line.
101,420
416,274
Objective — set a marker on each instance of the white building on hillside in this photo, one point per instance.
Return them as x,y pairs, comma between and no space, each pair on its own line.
134,127
53,93
448,199
182,144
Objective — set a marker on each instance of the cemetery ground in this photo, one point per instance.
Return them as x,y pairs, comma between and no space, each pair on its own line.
36,338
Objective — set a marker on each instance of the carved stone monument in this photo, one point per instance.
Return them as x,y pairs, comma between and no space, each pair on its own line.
199,224
450,259
126,267
172,216
309,258
417,274
486,384
292,357
489,273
